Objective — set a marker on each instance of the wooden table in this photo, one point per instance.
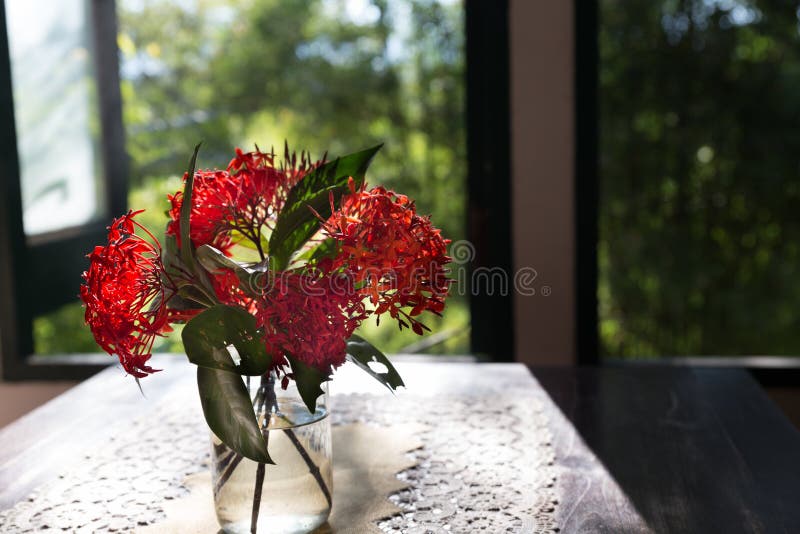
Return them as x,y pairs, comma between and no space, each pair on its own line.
678,450
637,449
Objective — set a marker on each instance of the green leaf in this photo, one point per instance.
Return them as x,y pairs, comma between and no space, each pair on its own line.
296,223
325,249
229,413
245,242
213,260
309,381
302,223
331,174
189,293
328,248
187,252
361,352
185,300
207,336
187,261
170,256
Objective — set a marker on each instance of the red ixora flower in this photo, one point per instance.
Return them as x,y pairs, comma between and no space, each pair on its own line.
125,296
214,197
310,316
241,201
396,257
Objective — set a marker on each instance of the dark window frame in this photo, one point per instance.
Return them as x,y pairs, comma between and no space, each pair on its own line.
489,172
38,274
586,180
35,283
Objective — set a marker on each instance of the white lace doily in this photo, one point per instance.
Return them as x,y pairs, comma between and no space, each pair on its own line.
486,466
486,463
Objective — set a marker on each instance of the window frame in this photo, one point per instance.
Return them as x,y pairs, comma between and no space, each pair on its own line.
587,180
40,273
489,173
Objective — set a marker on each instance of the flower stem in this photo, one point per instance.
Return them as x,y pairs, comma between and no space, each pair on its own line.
268,404
234,459
257,498
312,467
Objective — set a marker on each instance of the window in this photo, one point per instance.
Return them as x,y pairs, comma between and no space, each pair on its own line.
328,75
64,165
698,178
352,71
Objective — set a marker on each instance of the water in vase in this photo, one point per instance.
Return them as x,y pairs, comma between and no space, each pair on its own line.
295,495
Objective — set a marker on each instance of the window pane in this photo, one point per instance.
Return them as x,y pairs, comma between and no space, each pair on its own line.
327,75
55,112
700,177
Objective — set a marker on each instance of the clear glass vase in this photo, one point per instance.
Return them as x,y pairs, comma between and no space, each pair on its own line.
294,495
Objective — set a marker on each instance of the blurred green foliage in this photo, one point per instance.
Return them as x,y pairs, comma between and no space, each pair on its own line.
699,246
240,73
326,75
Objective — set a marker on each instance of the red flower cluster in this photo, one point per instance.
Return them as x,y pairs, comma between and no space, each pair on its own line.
309,316
397,258
124,295
239,202
386,254
214,197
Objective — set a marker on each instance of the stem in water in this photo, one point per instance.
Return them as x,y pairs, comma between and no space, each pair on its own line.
269,405
266,403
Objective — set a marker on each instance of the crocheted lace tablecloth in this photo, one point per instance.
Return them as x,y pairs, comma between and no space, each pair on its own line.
486,465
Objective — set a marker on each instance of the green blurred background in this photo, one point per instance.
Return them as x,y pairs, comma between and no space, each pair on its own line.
699,247
326,75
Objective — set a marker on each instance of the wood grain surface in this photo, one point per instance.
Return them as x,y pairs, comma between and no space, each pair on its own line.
672,450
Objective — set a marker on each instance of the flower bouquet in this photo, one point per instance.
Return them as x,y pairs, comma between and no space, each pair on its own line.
271,264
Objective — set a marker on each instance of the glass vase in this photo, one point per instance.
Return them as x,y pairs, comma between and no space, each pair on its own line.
294,495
